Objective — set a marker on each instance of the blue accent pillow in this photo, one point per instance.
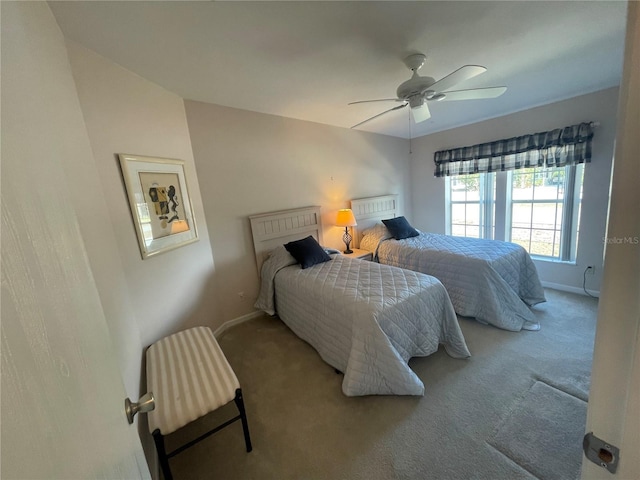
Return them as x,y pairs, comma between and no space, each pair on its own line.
400,228
307,252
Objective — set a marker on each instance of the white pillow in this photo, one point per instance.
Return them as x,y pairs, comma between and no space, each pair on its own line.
371,237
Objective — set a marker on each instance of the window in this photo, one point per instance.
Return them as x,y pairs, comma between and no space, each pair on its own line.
471,206
544,207
538,207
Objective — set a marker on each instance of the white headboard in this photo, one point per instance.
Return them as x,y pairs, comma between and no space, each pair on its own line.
270,230
369,211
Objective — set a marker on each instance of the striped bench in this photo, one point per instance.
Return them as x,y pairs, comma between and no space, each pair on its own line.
189,377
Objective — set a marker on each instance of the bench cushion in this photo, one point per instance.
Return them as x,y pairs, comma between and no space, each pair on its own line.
189,377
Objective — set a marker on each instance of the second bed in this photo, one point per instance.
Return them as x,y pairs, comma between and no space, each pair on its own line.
495,282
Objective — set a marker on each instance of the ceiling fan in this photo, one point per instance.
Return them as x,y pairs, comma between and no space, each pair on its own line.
418,91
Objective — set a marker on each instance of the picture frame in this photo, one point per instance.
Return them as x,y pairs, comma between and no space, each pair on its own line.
159,202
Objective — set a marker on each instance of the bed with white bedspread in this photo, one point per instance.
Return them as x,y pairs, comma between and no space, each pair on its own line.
495,282
364,319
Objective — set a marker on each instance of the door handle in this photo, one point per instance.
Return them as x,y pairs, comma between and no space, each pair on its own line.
146,403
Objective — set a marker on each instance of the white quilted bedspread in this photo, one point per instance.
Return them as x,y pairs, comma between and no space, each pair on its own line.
493,281
364,319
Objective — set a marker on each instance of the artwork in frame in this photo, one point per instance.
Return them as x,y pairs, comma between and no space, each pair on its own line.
159,201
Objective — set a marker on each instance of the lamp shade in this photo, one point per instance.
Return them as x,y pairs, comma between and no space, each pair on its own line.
345,218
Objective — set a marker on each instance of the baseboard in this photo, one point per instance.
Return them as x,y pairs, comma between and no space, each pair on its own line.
236,321
567,288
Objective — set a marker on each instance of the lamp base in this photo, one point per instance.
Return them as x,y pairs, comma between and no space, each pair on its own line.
346,238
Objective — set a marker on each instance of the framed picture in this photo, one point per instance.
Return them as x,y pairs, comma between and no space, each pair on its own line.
160,203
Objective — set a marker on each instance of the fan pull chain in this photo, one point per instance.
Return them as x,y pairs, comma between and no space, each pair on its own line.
410,149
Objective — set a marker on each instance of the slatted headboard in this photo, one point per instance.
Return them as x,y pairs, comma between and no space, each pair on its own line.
270,230
369,211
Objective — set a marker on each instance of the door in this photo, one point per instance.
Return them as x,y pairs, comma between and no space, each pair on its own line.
614,401
62,394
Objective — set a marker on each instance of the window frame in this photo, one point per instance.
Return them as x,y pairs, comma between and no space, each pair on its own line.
571,206
486,204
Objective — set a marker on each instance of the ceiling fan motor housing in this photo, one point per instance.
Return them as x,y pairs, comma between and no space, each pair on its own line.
416,101
416,85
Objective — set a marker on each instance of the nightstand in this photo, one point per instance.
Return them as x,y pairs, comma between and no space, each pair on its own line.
360,254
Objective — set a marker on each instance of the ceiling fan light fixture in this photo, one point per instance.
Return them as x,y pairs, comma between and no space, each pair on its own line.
421,113
437,97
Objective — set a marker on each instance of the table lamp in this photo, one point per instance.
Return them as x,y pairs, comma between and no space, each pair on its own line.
346,219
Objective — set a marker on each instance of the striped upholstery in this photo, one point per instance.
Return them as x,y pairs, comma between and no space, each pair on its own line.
189,377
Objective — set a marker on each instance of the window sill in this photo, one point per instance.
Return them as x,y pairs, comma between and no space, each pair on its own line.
553,260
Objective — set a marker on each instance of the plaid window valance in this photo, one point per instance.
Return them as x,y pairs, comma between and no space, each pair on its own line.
557,148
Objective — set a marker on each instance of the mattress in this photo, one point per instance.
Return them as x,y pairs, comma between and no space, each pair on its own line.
364,319
493,281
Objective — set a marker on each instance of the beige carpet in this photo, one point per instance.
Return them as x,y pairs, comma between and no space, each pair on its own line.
542,434
517,401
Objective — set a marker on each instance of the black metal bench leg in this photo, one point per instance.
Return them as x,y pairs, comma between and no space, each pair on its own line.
162,455
243,417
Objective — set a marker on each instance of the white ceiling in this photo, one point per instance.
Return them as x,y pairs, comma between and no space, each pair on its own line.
307,60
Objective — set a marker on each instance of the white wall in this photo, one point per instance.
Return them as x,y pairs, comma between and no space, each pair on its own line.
428,192
251,163
125,113
144,300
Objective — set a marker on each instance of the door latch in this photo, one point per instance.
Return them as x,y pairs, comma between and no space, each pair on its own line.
600,452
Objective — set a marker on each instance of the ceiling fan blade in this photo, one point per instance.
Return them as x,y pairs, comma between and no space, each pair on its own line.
421,113
463,73
474,93
380,114
381,100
